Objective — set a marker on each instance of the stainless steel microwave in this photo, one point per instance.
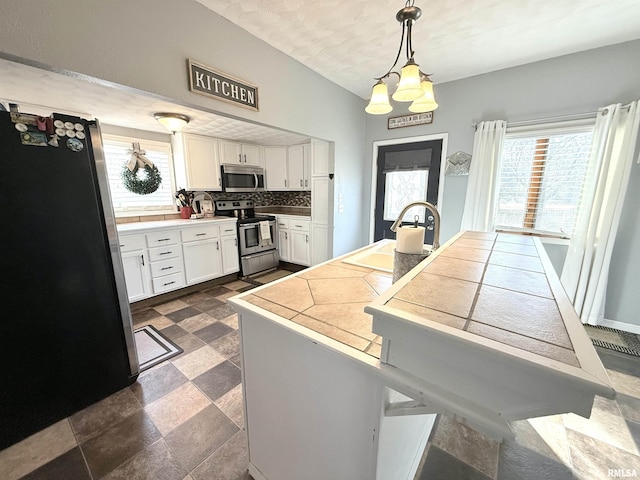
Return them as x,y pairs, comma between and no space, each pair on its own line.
242,178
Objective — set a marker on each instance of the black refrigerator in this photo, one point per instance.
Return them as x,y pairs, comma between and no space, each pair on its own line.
66,337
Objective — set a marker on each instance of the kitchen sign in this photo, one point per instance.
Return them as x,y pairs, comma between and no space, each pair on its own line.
410,120
207,81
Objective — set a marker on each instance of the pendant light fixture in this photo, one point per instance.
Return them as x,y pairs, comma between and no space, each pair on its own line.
414,85
174,122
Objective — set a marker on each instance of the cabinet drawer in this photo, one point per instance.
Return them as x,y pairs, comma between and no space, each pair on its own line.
168,282
131,242
165,253
202,233
226,230
282,223
166,237
302,225
166,267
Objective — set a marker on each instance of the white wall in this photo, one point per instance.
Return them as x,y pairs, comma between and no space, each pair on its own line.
144,44
571,84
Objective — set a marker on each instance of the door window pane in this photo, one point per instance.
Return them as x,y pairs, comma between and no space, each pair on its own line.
402,188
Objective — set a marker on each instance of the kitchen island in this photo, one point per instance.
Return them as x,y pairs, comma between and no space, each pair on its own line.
344,372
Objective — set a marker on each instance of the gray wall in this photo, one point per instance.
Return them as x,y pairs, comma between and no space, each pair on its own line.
571,84
144,44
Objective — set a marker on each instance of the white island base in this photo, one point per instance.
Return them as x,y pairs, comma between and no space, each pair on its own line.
313,412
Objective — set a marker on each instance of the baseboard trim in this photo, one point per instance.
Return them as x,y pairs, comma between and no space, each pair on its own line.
625,327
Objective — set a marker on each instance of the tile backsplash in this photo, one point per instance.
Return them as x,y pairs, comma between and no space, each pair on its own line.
260,199
267,199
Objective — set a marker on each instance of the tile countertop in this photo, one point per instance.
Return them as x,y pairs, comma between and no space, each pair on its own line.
483,286
481,329
328,299
136,227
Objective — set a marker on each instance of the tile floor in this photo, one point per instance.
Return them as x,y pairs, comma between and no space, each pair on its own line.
182,419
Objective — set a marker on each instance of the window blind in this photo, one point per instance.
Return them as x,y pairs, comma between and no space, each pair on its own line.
117,154
540,180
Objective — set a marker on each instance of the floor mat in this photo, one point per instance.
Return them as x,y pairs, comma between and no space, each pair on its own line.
613,339
153,347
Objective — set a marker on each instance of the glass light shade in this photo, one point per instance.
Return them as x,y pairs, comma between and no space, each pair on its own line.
409,86
427,102
174,122
379,103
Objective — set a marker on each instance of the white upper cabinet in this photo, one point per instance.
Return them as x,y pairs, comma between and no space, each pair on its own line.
239,153
196,162
275,165
298,167
320,158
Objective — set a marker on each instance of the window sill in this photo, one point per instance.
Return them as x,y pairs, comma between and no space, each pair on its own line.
143,213
544,236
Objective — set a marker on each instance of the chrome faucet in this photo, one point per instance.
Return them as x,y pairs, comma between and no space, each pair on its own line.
436,221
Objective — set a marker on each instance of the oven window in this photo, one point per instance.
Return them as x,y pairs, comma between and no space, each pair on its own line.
251,237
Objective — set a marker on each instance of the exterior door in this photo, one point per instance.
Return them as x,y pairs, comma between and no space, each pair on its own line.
406,173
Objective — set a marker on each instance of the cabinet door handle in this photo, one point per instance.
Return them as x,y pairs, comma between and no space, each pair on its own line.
165,253
219,182
121,245
166,268
200,234
217,245
285,182
164,239
168,283
236,241
229,230
245,158
307,238
240,157
142,258
299,226
306,183
300,182
286,236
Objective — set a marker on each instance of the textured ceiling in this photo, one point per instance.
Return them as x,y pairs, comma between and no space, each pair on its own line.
22,84
352,42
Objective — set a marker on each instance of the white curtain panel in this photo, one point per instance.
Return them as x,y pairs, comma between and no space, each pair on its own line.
481,184
586,266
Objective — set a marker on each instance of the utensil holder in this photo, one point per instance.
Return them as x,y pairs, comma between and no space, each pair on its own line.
404,262
185,212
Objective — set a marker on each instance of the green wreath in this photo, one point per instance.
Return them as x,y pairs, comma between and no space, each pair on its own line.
144,186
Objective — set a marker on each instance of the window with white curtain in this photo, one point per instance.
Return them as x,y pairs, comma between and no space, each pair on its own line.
117,152
540,179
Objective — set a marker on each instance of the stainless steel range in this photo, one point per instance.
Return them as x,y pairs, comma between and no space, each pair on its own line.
257,235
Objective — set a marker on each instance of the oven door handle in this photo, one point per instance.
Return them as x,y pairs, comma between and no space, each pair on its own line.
255,176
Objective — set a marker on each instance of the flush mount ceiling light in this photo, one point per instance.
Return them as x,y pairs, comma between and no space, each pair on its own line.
174,122
414,85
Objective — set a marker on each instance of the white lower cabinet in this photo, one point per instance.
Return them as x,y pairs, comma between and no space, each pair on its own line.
230,258
293,240
202,254
136,274
161,260
165,255
299,243
202,260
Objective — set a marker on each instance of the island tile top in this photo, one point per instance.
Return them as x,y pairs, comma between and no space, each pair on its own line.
329,300
491,285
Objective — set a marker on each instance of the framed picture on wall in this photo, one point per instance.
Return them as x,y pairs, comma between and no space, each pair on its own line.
409,120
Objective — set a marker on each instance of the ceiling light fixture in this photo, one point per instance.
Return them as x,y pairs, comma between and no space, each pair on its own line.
174,122
414,85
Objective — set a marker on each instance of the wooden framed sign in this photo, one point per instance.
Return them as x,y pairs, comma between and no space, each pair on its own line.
212,83
409,120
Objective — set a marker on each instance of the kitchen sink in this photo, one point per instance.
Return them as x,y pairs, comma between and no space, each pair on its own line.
378,257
